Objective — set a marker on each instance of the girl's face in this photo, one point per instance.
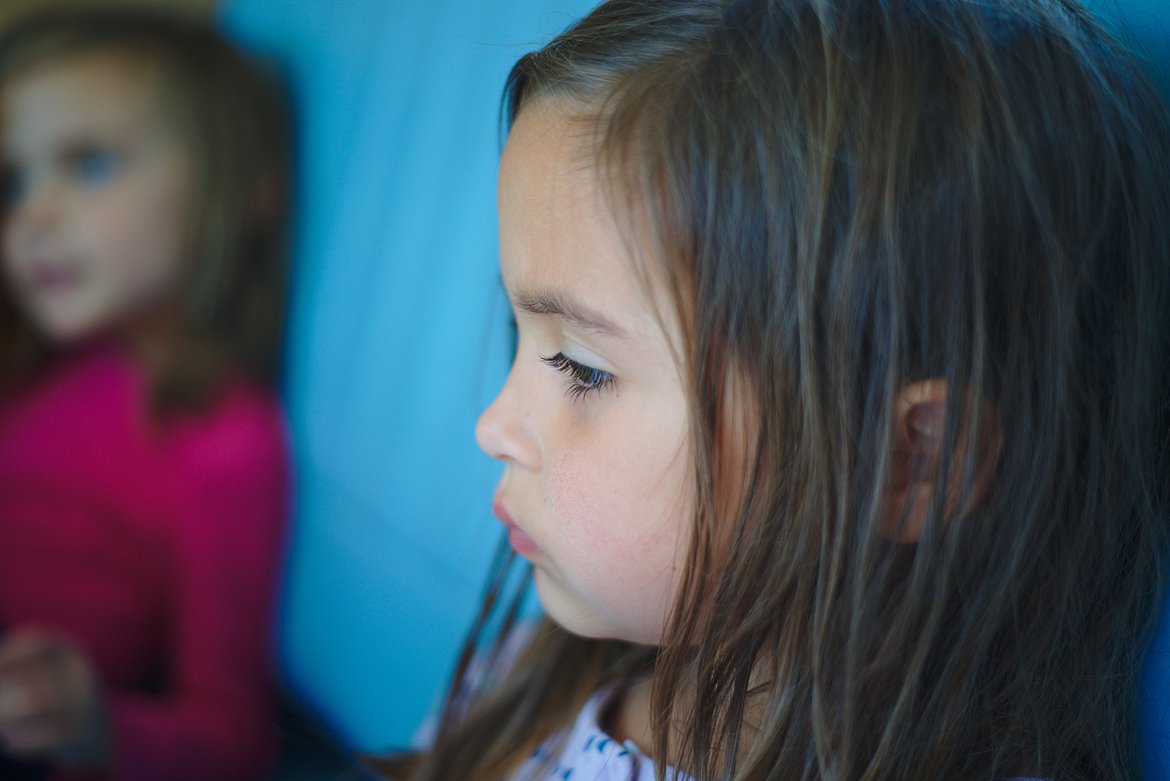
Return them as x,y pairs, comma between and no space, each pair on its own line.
98,193
591,424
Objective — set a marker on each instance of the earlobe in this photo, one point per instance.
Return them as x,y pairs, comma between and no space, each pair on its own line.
917,447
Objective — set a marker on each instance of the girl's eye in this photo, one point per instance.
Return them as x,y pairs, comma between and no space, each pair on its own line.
15,186
95,167
582,378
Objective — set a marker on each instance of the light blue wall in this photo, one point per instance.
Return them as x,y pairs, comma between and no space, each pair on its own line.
397,337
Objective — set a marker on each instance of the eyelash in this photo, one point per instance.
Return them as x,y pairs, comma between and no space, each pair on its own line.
13,187
582,379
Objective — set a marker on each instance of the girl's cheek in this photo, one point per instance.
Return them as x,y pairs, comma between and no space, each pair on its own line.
575,499
593,527
609,493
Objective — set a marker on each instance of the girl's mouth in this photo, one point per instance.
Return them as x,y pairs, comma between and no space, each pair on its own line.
53,277
521,542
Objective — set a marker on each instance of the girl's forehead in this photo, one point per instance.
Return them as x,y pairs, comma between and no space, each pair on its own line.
563,234
556,218
101,69
548,154
98,93
548,194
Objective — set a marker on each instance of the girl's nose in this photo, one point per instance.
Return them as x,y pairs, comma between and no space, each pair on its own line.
505,430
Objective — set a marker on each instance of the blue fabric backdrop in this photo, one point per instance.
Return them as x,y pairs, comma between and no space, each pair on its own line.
397,337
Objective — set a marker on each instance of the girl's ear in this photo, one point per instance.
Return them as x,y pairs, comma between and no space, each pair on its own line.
918,445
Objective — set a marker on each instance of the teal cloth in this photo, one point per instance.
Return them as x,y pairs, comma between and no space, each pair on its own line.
398,337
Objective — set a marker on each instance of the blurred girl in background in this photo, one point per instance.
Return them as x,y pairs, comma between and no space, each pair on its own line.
143,477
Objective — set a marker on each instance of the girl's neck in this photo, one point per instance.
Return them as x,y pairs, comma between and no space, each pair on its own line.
628,717
150,336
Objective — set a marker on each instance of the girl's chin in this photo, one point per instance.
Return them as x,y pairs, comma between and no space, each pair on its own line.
64,335
576,617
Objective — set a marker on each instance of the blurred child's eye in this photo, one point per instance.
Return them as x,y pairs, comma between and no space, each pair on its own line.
14,184
94,166
582,378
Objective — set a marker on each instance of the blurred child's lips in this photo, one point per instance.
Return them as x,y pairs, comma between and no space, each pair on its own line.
521,542
51,276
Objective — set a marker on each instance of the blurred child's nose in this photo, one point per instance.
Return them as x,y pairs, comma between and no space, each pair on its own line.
504,429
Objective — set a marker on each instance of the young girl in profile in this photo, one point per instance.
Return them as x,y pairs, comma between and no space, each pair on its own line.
143,479
836,434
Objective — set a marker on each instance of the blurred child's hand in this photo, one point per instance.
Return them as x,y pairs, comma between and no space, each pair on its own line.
50,706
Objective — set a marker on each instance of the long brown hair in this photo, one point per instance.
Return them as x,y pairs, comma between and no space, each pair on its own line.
231,116
846,196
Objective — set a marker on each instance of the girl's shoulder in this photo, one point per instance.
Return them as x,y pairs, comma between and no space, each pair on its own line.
242,420
99,367
95,403
91,394
236,444
586,750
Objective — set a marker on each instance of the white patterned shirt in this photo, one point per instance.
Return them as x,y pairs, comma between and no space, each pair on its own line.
586,753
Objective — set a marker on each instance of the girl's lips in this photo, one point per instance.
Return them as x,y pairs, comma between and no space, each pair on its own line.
51,276
521,542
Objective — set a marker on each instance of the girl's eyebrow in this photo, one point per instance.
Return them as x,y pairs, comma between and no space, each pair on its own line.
565,307
81,145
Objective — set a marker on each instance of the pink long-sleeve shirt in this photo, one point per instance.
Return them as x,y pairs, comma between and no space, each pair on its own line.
155,547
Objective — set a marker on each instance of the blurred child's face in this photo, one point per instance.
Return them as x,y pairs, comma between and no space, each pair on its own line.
592,422
98,197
